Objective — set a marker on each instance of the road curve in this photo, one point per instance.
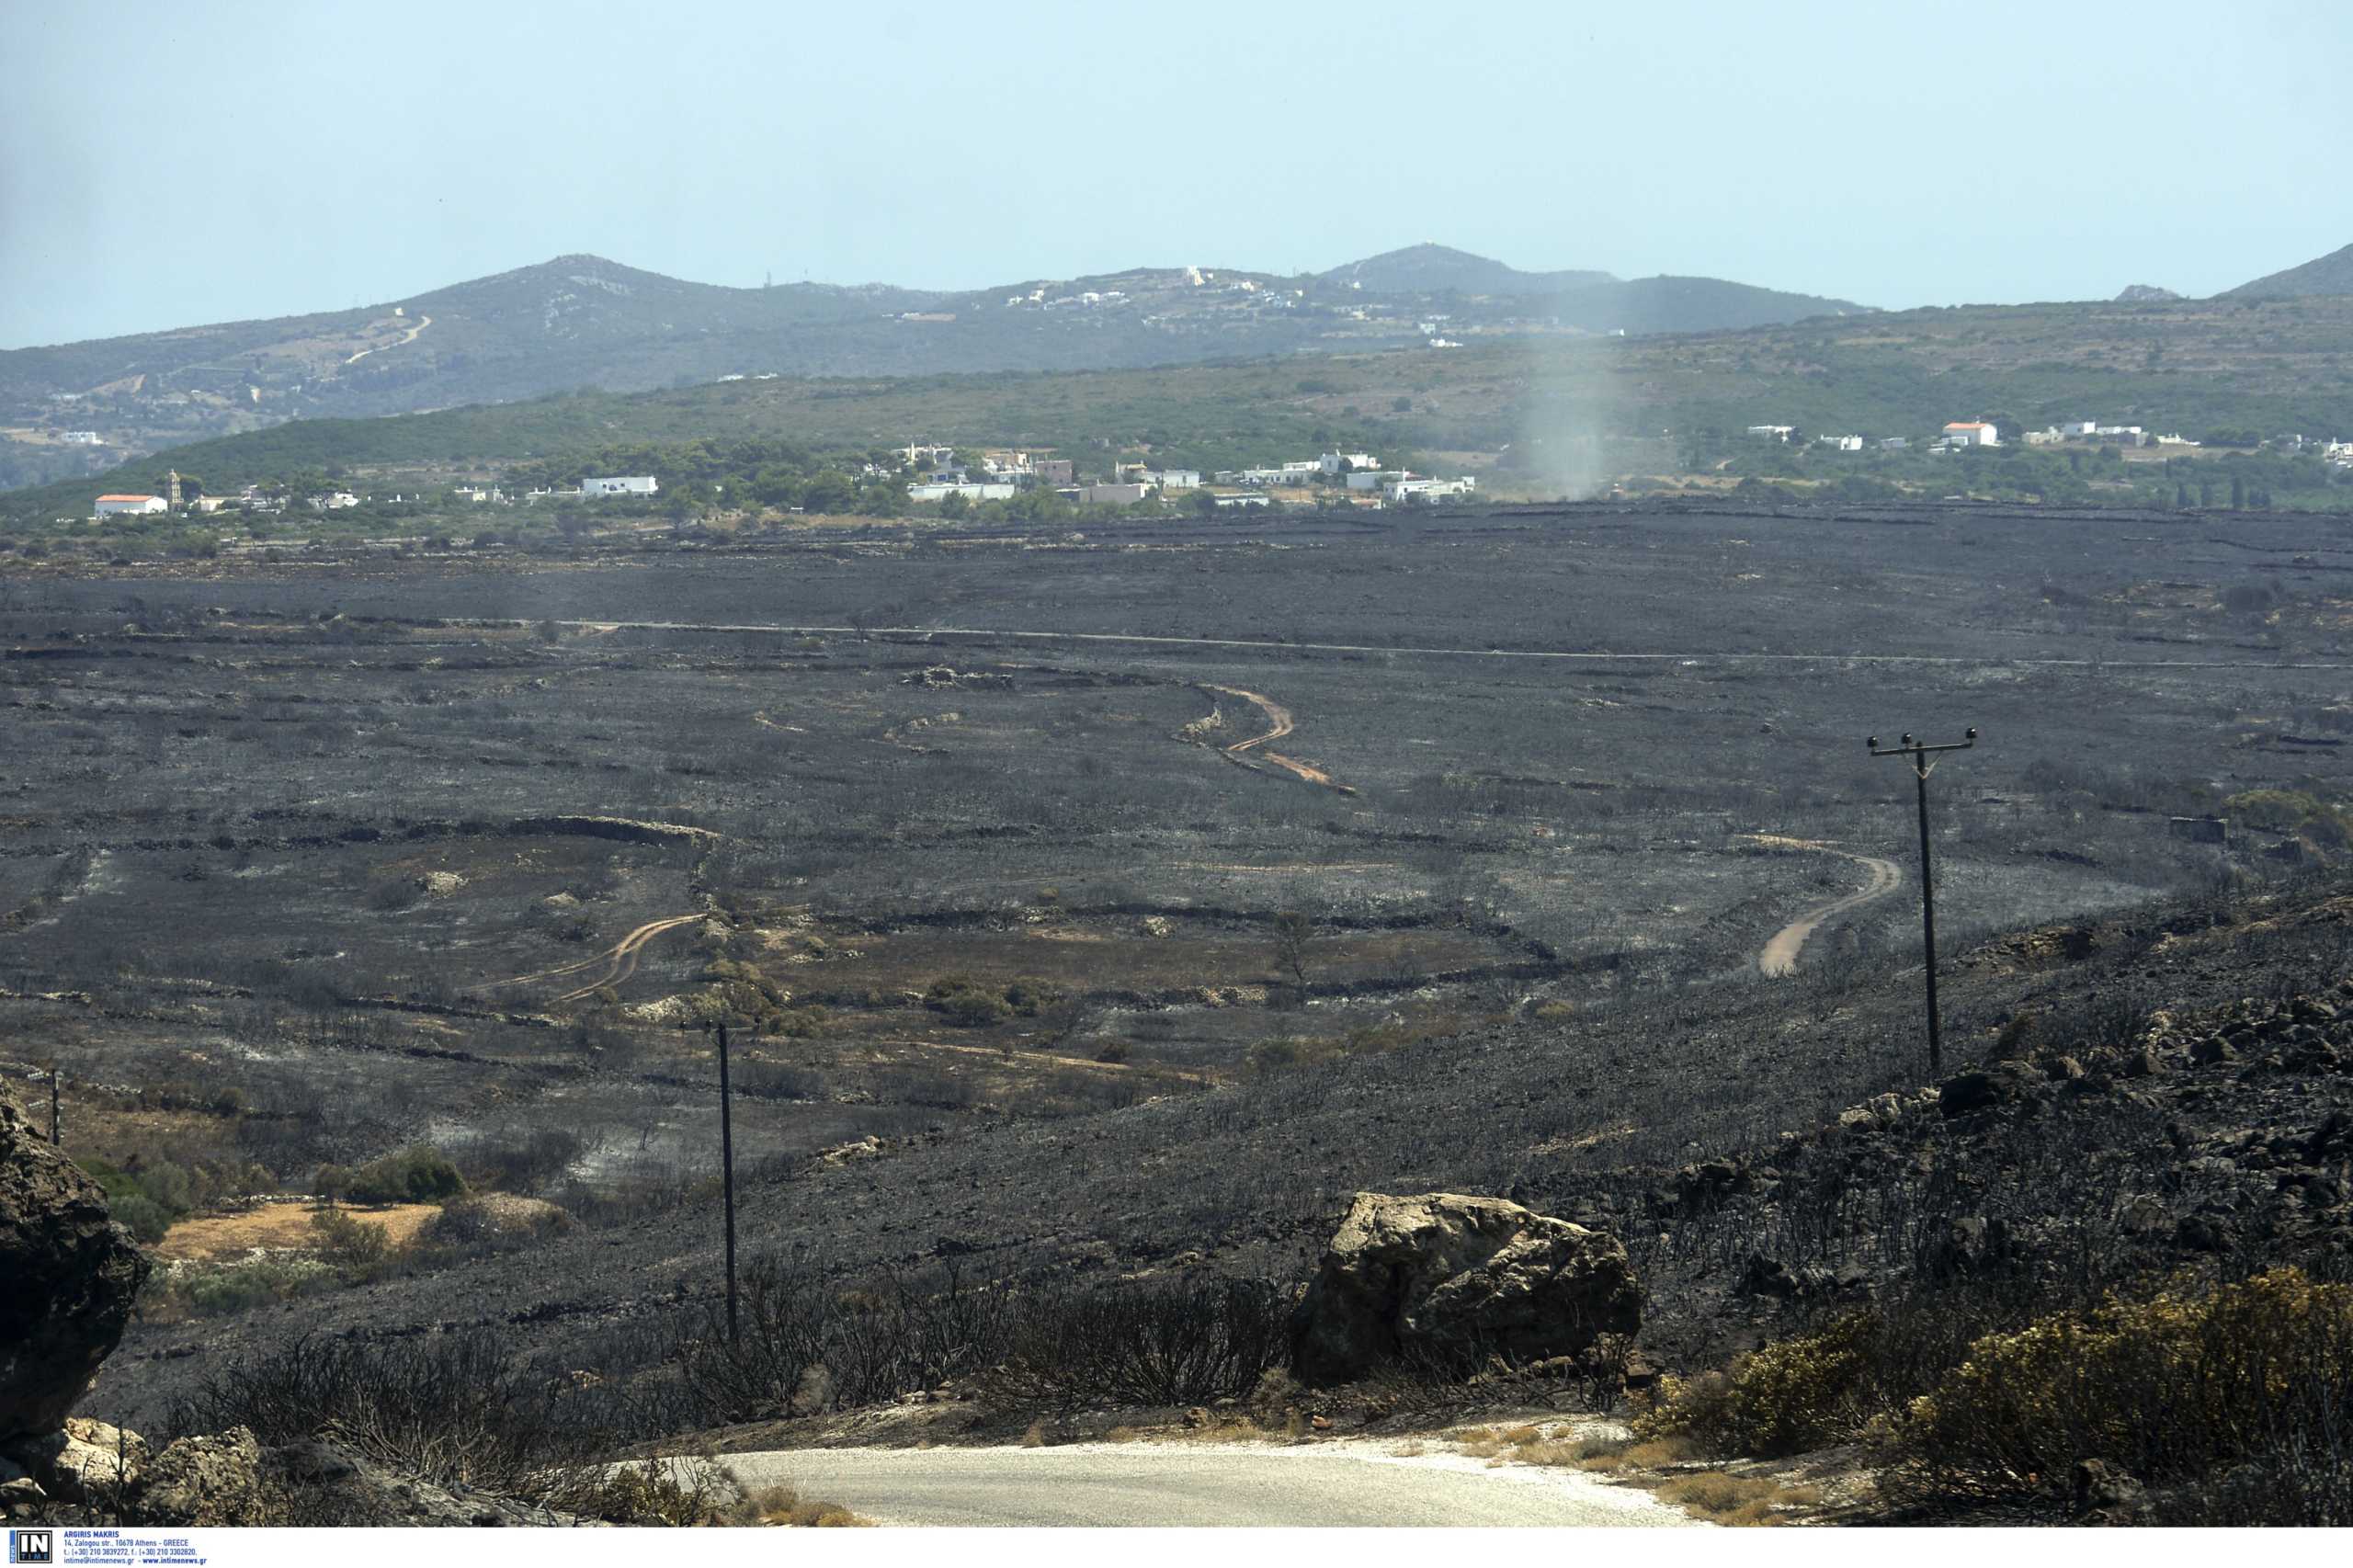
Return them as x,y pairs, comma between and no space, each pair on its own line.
1326,1485
1280,723
1780,954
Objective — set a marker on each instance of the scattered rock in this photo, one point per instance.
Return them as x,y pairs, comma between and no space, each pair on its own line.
2211,1052
1984,1088
2107,1491
1446,1275
2204,1233
71,1273
441,884
1158,926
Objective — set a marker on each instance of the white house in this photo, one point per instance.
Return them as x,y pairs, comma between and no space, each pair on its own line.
1772,432
1842,443
1233,503
941,490
1175,478
1110,495
134,505
2080,429
81,439
630,484
334,501
1973,433
1344,462
1430,489
1894,443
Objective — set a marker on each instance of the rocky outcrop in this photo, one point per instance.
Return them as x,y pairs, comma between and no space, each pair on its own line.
1457,1279
203,1481
88,1461
55,1235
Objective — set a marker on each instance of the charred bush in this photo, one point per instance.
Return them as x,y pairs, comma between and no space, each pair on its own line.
805,1345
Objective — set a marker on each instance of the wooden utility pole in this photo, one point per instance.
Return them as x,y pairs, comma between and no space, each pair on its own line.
1919,752
727,1176
54,1074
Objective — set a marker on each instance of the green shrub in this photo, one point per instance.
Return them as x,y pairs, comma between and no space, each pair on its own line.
421,1174
145,1201
2175,1389
1788,1397
350,1241
142,1216
241,1287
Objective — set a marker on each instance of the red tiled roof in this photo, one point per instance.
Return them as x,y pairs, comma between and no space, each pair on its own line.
130,497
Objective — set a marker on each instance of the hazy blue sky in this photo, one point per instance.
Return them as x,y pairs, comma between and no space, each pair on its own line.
163,165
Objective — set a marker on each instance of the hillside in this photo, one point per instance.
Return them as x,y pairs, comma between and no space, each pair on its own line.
2194,366
2330,273
581,321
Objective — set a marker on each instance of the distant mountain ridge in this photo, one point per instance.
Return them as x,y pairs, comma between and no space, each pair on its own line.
581,321
2330,273
1439,269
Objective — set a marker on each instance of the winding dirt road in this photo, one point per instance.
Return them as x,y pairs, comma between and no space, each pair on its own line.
1780,955
620,961
1279,723
410,336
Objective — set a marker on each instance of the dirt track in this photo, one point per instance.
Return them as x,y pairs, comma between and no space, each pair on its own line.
1780,955
620,961
1279,723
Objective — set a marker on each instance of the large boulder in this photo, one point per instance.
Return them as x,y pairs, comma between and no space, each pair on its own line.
71,1273
1456,1279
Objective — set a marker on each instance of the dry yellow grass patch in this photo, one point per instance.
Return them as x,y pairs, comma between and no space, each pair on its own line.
1736,1499
782,1506
210,1236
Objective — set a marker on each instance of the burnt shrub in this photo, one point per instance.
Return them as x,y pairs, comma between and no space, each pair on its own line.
455,1412
805,1344
522,1160
1145,1345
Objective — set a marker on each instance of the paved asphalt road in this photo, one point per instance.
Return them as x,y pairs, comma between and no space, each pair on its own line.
1325,1484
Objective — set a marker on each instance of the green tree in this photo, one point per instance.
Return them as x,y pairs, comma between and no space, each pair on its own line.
829,491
